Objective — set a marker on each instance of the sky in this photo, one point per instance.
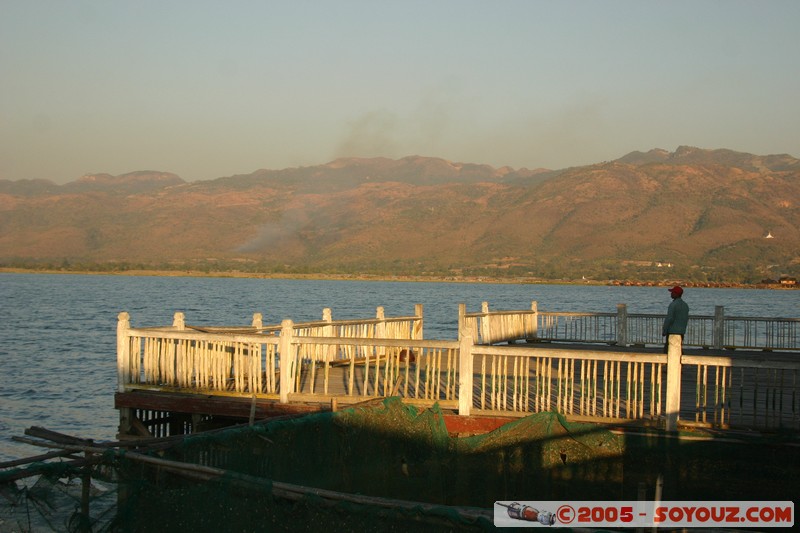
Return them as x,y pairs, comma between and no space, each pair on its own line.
206,89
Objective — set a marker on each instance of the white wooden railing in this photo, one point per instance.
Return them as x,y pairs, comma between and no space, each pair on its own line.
710,391
583,383
288,365
624,329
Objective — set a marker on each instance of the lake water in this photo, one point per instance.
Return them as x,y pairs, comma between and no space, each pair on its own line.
58,344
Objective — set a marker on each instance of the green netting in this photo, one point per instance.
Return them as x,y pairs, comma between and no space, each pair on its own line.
396,451
274,476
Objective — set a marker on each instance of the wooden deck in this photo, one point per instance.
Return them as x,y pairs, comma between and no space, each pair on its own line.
180,379
318,390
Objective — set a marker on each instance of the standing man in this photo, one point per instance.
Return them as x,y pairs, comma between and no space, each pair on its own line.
677,317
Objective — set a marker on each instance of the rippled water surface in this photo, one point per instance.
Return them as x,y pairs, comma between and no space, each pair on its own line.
57,332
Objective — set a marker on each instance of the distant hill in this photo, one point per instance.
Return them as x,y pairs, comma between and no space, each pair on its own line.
348,173
133,182
686,155
689,214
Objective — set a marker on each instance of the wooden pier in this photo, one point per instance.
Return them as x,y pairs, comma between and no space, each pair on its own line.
182,379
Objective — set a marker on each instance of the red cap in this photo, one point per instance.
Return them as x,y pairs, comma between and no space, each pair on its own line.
676,290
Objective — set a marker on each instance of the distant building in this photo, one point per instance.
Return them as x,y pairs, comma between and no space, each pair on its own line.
786,280
769,235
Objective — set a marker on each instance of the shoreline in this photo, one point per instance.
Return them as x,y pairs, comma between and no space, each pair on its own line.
396,278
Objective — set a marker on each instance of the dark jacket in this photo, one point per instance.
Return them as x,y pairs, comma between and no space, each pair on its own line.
677,318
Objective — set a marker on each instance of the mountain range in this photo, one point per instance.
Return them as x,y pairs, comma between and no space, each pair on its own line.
693,214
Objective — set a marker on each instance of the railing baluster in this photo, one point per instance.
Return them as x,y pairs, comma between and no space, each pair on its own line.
245,362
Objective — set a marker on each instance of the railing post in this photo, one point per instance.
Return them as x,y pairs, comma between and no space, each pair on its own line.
380,330
417,333
535,324
287,359
327,316
674,352
123,351
462,320
719,327
465,375
258,321
380,327
327,331
485,335
622,325
176,348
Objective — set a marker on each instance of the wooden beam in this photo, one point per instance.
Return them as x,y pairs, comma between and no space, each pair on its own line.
210,405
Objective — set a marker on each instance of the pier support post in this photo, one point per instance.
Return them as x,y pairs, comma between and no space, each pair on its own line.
287,360
674,353
622,325
534,331
465,375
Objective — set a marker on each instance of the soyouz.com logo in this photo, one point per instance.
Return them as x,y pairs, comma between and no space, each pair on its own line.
644,514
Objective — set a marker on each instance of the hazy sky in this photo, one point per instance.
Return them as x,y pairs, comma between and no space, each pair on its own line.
214,88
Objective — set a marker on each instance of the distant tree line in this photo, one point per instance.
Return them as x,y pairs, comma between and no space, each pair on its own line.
555,270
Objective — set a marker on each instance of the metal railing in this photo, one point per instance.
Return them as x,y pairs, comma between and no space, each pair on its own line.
624,329
744,392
